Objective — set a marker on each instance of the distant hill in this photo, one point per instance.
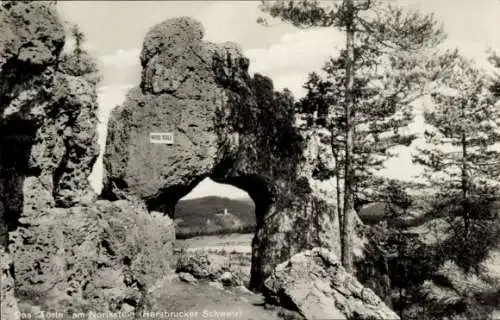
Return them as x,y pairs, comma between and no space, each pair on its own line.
205,216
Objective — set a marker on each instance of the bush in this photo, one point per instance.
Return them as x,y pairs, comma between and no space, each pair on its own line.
441,276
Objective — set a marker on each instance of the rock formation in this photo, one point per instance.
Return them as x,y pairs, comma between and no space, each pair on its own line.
47,119
98,257
226,125
8,303
68,252
315,284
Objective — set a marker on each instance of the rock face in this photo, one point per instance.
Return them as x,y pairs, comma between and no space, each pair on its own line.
227,126
315,284
47,117
8,303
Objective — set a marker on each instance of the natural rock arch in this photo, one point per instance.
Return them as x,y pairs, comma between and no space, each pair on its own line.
228,126
66,247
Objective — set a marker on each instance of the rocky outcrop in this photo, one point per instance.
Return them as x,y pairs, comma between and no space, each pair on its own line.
32,35
47,117
69,252
226,125
100,257
8,303
315,284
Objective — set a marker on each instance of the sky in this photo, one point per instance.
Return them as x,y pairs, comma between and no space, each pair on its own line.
115,30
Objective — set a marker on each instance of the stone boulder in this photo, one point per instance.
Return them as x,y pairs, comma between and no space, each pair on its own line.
97,257
213,267
226,125
202,265
8,303
187,277
315,284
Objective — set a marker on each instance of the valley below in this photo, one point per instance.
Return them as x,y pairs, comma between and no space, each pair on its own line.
231,242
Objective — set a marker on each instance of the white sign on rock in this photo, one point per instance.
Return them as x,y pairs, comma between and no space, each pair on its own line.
161,137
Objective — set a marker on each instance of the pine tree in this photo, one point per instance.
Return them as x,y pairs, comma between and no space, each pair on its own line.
494,59
79,37
387,76
405,31
461,163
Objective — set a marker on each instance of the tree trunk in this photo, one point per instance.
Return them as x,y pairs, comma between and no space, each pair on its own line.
339,196
348,216
337,179
465,187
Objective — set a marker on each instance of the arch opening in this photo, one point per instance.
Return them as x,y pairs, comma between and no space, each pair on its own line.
219,220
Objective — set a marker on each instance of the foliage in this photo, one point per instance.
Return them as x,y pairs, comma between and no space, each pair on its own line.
468,250
266,120
460,162
453,293
464,116
494,60
404,30
397,199
276,136
460,166
79,62
385,83
414,263
421,283
389,69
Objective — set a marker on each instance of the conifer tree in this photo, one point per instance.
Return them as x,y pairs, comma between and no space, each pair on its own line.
460,160
79,37
385,29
